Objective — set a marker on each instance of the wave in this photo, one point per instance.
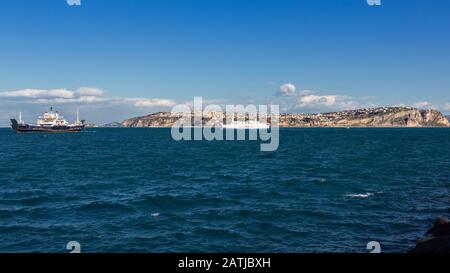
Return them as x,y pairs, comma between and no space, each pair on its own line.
362,195
359,195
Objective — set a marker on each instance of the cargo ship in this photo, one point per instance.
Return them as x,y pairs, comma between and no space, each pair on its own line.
49,122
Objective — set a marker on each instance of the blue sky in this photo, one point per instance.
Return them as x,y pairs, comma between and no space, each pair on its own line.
116,59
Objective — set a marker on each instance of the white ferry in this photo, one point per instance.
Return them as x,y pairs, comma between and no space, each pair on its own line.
246,125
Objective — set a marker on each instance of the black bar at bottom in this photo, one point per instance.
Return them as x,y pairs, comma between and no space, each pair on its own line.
222,262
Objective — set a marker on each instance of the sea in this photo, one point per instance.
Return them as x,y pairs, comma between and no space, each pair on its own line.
138,190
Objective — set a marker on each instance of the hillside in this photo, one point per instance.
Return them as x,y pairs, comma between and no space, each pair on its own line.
369,117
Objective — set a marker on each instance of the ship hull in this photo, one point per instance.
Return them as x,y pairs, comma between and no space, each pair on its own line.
27,128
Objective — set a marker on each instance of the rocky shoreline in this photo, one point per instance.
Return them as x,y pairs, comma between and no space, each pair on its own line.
385,117
438,240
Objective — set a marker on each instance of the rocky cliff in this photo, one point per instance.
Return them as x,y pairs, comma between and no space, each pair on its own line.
369,117
162,119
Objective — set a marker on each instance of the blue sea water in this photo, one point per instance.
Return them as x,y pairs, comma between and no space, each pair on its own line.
137,190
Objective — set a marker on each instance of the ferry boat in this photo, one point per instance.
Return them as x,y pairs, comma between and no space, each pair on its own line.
50,122
246,125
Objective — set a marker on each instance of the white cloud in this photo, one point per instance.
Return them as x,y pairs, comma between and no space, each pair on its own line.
323,103
57,95
83,95
96,106
446,106
287,89
314,100
305,92
424,105
90,91
38,93
73,2
143,102
442,107
292,100
78,100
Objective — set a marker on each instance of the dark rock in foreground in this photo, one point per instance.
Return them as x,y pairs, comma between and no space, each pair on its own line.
438,240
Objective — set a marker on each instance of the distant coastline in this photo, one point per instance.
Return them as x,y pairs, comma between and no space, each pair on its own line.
381,117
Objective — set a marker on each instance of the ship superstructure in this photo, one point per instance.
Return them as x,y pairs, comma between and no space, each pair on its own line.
50,121
252,124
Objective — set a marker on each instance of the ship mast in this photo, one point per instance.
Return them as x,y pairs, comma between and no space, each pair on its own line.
78,115
20,118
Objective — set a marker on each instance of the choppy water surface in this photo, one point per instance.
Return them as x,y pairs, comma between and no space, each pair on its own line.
137,190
